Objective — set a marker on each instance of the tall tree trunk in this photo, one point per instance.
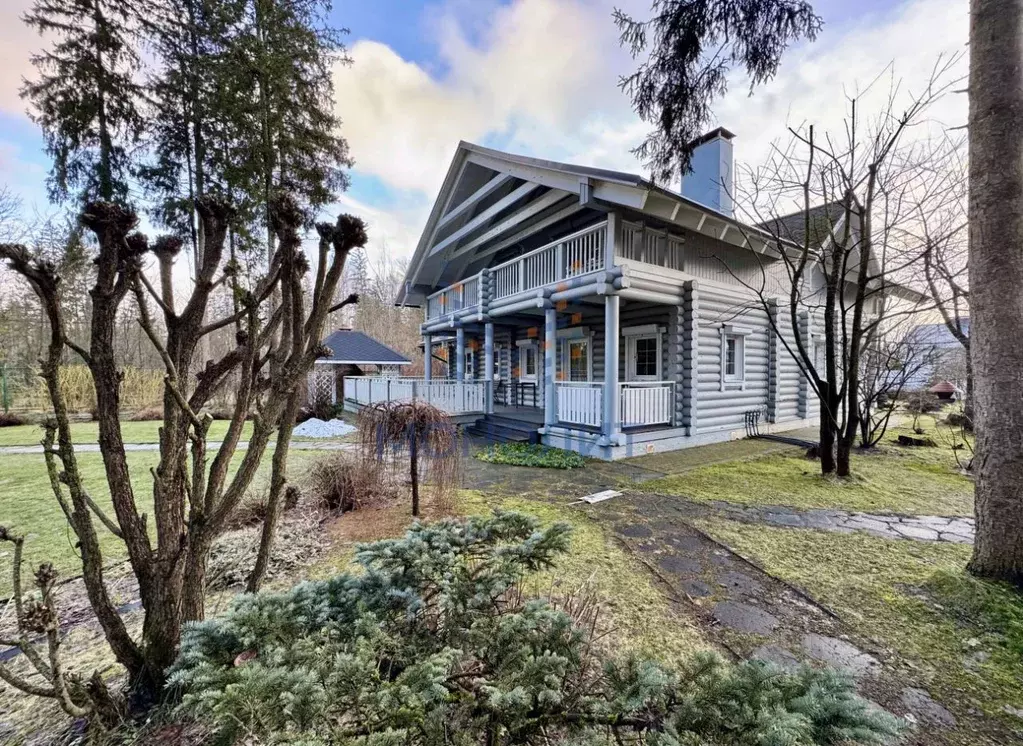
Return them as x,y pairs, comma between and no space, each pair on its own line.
106,170
996,276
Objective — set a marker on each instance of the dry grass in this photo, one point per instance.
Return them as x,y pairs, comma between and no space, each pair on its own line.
343,481
147,414
140,389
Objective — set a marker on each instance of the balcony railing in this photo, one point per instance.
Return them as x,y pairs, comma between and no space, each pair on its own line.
577,254
461,295
453,397
646,403
573,255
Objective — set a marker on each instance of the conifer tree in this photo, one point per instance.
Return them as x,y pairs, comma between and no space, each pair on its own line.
86,98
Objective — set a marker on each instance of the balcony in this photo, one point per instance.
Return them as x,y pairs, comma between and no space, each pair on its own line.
572,256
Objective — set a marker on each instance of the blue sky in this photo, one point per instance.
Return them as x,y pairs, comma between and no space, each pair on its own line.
531,76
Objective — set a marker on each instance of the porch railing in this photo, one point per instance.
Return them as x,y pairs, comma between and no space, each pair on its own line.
646,403
453,397
580,403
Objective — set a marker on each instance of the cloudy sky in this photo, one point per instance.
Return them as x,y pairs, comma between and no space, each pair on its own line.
537,77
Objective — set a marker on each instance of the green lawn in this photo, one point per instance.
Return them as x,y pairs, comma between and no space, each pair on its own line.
891,479
962,637
28,507
88,432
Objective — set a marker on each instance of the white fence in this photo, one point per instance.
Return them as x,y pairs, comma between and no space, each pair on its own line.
646,403
453,397
580,403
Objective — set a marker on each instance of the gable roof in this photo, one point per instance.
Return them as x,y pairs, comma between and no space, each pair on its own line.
792,227
461,231
355,348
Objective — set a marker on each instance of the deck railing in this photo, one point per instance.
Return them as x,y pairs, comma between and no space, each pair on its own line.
580,403
577,254
453,397
646,403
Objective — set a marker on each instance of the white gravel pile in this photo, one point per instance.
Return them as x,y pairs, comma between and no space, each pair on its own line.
314,428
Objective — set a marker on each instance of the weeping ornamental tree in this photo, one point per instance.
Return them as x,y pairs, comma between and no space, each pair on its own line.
278,327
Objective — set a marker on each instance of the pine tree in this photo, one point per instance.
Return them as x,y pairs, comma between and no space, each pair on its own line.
435,643
86,99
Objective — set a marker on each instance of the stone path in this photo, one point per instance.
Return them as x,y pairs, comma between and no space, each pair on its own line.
954,529
755,615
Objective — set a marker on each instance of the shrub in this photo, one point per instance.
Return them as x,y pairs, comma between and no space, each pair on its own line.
343,481
9,419
525,454
435,643
148,414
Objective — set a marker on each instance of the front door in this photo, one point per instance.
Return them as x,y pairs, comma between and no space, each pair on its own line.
643,358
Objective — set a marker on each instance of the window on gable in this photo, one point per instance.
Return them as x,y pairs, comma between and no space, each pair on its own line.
735,359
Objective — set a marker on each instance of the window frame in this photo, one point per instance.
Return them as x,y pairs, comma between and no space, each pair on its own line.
737,378
565,362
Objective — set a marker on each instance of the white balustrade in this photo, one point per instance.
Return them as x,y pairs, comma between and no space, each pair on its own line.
452,397
580,403
646,403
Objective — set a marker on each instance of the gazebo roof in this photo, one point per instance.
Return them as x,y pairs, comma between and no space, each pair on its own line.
355,348
942,387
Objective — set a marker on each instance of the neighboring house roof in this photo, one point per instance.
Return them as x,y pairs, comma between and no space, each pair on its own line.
937,335
355,348
822,219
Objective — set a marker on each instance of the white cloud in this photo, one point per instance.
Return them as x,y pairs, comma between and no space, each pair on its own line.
17,43
540,76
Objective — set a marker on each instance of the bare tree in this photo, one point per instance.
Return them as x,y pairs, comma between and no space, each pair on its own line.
996,276
835,263
278,332
888,365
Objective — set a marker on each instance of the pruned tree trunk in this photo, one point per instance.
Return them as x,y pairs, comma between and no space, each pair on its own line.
996,277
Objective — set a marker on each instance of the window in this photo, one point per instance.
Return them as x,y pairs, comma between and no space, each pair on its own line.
527,362
734,358
577,352
470,359
646,357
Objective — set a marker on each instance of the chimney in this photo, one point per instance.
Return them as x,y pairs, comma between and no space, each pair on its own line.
709,180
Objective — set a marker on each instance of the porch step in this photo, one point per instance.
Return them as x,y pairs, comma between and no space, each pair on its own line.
505,430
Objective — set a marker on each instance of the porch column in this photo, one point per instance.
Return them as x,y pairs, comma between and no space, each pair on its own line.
610,422
488,365
460,354
427,357
550,348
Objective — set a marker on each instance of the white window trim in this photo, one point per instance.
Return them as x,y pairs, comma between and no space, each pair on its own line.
532,344
739,333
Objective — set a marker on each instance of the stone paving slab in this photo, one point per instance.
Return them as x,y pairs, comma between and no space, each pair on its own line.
953,529
755,615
